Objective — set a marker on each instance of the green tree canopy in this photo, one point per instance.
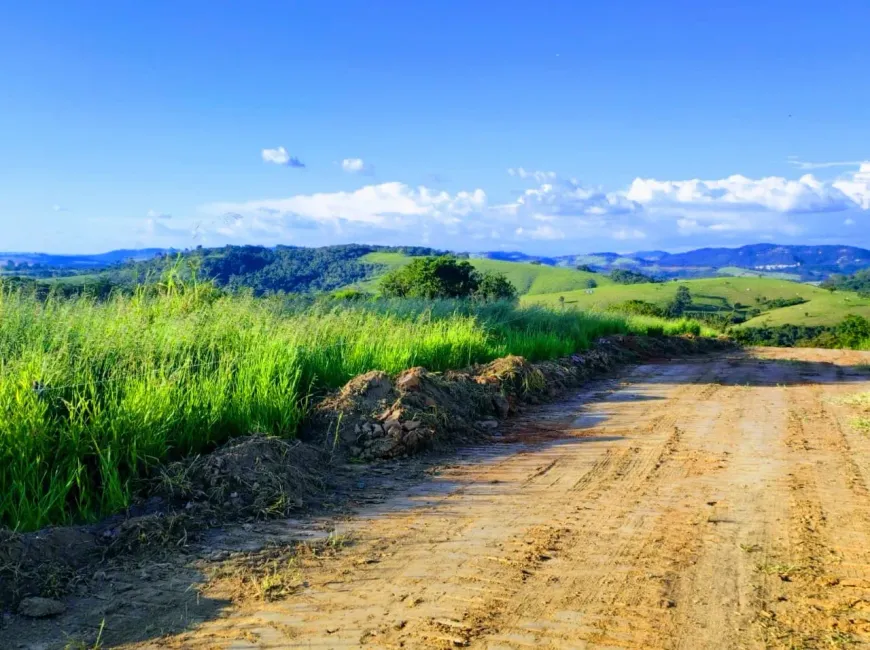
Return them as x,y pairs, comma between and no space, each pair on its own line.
445,277
681,302
622,276
494,286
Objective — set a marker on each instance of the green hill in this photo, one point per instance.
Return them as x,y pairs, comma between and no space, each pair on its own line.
821,307
529,279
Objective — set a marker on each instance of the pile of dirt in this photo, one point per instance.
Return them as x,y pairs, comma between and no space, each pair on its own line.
43,563
256,476
252,477
374,417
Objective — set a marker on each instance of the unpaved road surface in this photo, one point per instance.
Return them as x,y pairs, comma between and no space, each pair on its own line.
710,503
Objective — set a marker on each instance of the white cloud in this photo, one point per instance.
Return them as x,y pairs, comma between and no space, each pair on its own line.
740,193
384,210
555,214
857,186
154,214
280,156
59,208
356,166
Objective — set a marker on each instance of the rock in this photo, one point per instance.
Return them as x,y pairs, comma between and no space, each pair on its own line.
377,429
410,381
37,607
410,425
393,427
488,424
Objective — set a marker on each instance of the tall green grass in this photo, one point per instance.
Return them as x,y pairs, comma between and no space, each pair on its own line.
95,394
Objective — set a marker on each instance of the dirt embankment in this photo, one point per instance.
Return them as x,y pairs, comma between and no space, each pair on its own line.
373,417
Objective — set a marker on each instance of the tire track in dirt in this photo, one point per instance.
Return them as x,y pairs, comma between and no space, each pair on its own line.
821,577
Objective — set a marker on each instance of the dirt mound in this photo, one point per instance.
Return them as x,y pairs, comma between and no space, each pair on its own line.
373,417
41,564
253,476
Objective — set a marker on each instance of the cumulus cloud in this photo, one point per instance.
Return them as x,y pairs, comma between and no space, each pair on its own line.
280,156
385,204
154,214
740,193
557,214
356,166
857,186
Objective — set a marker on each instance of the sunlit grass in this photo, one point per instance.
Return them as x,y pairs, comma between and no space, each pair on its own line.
94,395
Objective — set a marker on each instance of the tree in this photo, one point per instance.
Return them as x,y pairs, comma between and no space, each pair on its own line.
681,302
586,268
621,276
590,283
853,331
432,277
494,286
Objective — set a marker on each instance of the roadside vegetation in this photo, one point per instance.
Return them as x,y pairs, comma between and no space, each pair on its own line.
96,392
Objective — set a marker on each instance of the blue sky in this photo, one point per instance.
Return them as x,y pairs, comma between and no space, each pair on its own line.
630,125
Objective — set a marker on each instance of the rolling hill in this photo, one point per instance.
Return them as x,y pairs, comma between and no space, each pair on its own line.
822,307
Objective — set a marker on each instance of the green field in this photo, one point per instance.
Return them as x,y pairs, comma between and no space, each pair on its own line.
822,308
94,395
531,279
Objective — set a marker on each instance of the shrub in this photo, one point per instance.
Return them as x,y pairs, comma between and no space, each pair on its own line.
494,286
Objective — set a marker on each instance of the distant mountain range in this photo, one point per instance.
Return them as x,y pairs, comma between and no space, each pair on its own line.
97,261
806,263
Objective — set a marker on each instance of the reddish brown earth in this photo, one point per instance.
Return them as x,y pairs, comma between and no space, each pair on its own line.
710,503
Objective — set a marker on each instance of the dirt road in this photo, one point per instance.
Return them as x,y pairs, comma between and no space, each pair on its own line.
694,504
